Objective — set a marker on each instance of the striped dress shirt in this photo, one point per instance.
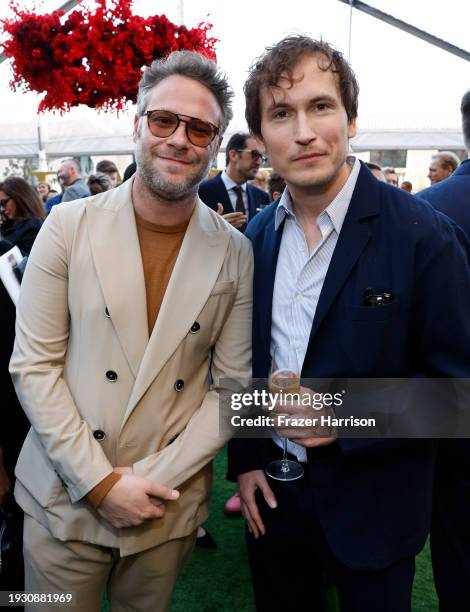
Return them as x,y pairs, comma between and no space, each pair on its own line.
299,280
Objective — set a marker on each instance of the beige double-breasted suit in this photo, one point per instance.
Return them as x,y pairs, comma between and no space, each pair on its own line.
99,392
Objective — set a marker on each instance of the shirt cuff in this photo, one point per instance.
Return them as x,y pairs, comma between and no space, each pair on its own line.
99,492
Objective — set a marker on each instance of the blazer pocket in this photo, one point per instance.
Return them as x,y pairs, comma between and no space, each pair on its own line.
372,313
223,287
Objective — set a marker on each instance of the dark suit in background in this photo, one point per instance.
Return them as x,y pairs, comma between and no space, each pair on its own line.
213,191
450,531
366,501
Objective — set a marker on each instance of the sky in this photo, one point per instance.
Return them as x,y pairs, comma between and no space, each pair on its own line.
404,82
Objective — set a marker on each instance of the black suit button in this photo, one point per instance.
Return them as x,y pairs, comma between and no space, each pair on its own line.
99,435
195,328
179,385
106,313
111,376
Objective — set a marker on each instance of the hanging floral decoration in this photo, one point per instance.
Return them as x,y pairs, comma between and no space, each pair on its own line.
93,58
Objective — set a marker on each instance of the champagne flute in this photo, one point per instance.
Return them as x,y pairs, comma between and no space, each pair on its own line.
283,380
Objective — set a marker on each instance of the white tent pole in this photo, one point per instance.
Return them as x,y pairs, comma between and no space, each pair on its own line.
180,12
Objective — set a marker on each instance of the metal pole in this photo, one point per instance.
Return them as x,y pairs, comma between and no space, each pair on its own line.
180,12
42,157
410,29
350,28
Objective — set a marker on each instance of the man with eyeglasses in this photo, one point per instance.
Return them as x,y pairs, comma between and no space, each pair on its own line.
131,299
229,193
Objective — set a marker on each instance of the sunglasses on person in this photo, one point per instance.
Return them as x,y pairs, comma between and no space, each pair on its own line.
164,123
255,154
4,202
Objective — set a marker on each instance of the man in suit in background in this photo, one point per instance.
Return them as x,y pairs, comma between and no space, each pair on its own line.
130,301
352,280
452,195
450,531
229,193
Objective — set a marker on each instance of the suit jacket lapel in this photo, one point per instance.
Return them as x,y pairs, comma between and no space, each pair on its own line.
194,275
251,201
352,240
266,249
116,254
223,194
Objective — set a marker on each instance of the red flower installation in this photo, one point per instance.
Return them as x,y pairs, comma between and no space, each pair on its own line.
93,58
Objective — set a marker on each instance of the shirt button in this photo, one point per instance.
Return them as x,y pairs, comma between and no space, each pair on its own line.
195,328
298,297
99,435
179,385
106,313
111,376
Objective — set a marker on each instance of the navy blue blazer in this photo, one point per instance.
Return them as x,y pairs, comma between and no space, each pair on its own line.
373,496
452,196
213,191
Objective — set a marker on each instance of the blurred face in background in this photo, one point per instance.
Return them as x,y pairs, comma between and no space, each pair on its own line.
245,163
43,190
438,172
7,206
391,178
114,176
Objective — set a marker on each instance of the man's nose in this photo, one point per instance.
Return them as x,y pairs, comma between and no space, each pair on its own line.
179,137
305,129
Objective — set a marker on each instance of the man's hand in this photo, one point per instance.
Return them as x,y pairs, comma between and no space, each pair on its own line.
248,483
4,482
306,435
132,500
237,219
123,470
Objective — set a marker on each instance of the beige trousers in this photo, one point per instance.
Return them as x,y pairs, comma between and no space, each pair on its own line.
138,583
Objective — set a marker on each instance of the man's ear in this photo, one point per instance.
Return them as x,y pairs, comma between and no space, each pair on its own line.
136,130
352,128
232,155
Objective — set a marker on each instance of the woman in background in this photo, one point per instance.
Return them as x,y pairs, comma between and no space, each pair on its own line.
22,213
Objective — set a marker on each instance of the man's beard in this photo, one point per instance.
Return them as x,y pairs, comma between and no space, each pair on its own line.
163,188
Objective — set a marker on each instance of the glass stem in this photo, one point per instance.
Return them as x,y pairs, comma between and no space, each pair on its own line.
284,446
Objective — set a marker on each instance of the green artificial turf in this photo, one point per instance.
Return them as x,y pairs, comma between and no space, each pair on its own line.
219,581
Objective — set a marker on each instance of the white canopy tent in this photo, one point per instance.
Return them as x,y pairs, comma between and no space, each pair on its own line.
92,134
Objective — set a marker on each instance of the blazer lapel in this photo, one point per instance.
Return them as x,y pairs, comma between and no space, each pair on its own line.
194,275
222,193
116,254
266,249
352,240
251,201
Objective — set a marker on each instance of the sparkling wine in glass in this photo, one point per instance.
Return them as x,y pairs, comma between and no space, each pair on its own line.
283,380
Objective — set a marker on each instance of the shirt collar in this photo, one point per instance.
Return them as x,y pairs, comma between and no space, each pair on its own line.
336,210
230,183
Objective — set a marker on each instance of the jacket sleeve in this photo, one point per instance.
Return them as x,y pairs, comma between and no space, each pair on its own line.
38,361
201,440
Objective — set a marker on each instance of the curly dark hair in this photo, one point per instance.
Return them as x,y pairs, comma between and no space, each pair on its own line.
281,59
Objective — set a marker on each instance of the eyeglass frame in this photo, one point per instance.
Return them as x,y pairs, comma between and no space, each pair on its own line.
186,121
255,154
4,202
